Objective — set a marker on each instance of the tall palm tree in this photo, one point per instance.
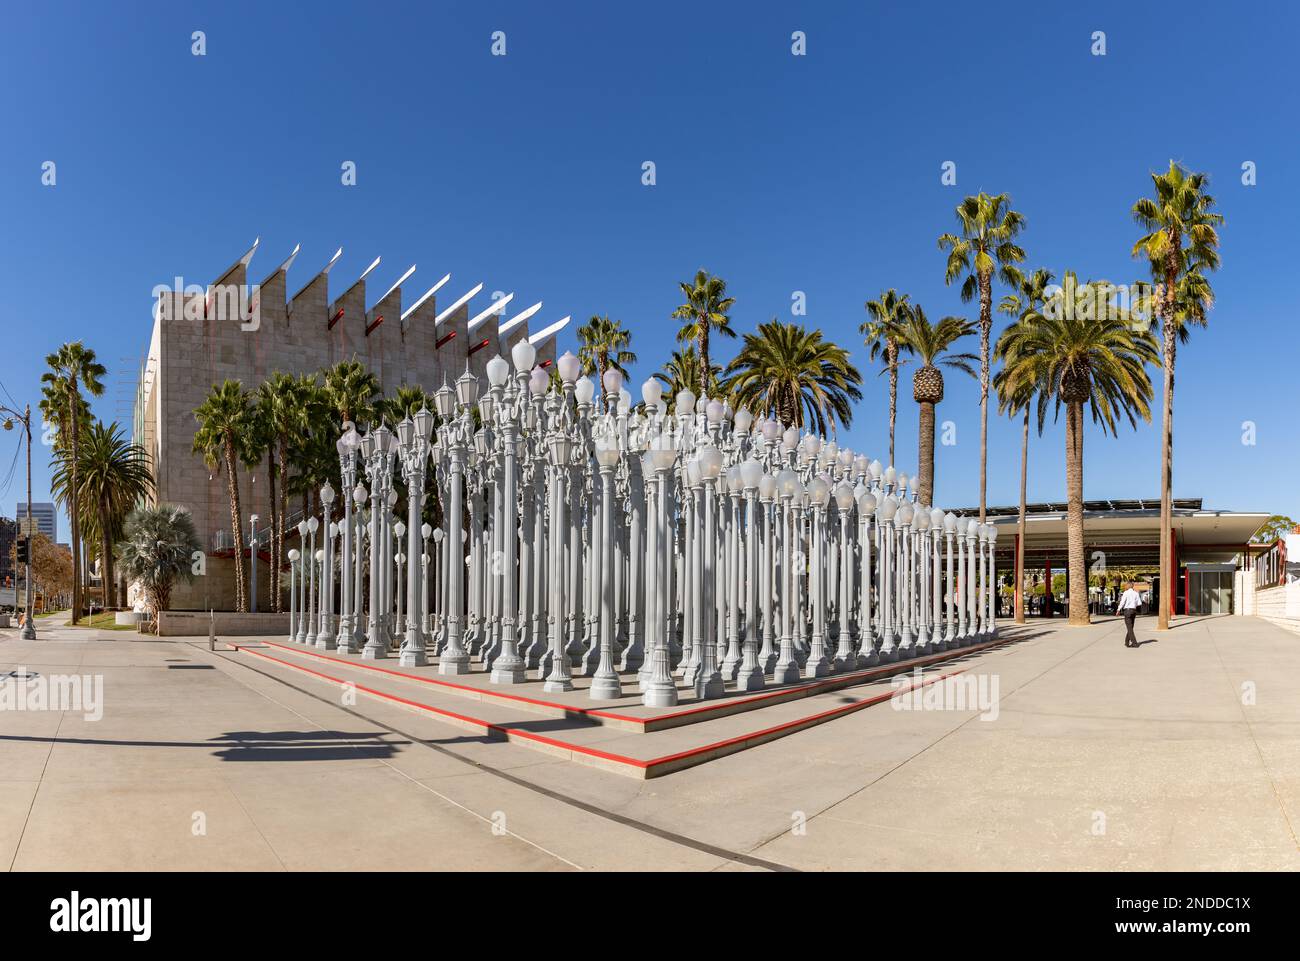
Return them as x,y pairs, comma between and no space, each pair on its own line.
603,345
682,372
1181,242
156,547
704,313
282,415
112,478
985,246
1027,301
72,369
351,390
1077,360
885,315
790,372
224,422
930,343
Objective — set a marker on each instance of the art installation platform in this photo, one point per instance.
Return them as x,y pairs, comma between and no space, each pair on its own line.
625,737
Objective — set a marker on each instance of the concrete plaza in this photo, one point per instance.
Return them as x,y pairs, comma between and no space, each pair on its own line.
1181,755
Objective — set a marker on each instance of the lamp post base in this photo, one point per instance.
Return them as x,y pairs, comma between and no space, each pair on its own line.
454,664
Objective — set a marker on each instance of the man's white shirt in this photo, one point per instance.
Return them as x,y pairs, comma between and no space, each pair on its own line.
1130,599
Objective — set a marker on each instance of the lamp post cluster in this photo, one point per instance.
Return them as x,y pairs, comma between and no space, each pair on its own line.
585,537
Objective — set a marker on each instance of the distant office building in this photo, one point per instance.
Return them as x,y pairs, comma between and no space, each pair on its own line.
230,329
8,529
44,516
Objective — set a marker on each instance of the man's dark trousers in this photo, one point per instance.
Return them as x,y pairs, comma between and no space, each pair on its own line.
1129,617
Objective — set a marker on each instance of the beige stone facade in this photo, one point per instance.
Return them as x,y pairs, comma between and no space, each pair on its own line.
196,343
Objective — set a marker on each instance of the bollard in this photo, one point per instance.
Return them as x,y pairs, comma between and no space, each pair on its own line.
212,631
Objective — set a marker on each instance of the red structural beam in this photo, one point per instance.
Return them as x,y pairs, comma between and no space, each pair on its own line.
443,340
335,319
378,320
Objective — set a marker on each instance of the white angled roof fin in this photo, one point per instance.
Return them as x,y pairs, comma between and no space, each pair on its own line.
368,269
519,318
400,280
427,294
496,308
289,262
333,260
457,305
542,336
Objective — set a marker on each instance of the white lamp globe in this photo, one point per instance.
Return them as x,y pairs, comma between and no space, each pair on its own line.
702,405
875,470
751,471
787,482
312,525
771,430
327,494
497,371
399,528
904,515
585,390
425,530
888,507
624,399
867,503
568,367
612,380
523,354
359,495
790,439
743,420
767,487
936,519
950,522
993,533
710,462
651,392
294,554
685,402
714,412
921,521
735,482
810,445
320,555
844,497
818,491
538,381
890,474
902,481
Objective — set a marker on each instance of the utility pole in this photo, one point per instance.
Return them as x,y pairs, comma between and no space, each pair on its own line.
29,628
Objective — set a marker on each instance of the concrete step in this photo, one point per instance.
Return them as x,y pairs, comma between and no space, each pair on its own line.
582,738
627,712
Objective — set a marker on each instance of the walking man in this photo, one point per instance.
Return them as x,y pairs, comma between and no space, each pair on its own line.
1129,603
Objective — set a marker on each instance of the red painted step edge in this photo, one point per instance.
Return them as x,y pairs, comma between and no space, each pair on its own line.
642,765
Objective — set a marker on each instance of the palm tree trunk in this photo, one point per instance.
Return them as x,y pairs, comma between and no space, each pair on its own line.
73,513
1020,524
891,352
106,547
1168,576
232,485
273,506
703,345
986,328
283,519
925,486
1078,573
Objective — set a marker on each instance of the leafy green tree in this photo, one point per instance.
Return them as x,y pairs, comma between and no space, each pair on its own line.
704,312
156,548
1273,529
113,477
1181,243
986,245
1098,361
885,315
603,344
352,391
792,373
72,369
225,422
930,343
682,372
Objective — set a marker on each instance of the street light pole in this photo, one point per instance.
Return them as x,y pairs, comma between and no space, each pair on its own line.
25,418
252,552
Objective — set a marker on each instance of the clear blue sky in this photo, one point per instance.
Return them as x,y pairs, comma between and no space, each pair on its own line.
818,173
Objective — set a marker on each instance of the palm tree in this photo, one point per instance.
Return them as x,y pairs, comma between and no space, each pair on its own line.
930,343
73,368
156,547
1097,360
224,424
603,346
281,413
985,246
1181,242
404,403
704,312
682,372
112,479
351,390
787,371
887,313
1025,303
